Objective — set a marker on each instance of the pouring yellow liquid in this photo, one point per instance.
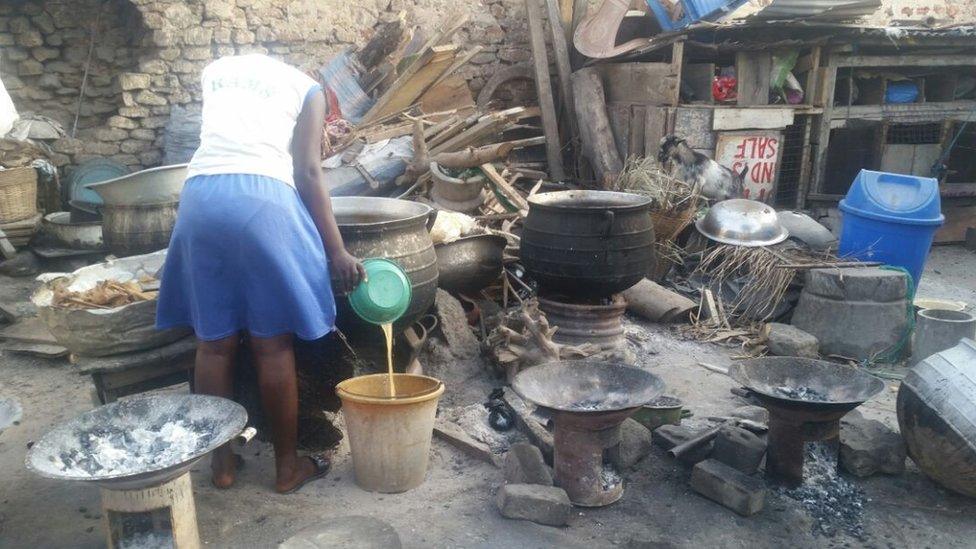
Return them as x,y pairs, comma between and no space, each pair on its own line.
388,332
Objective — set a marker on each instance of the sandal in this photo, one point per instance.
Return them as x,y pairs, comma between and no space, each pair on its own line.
322,463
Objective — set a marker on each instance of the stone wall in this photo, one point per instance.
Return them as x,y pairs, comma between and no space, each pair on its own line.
148,54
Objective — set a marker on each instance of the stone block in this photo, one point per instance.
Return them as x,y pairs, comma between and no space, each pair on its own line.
787,340
127,159
218,10
868,446
540,504
148,98
101,148
43,54
153,122
635,444
739,448
242,37
122,123
110,134
134,112
106,53
142,134
198,36
154,66
134,146
54,40
454,435
265,34
129,81
29,39
68,145
19,25
168,54
222,35
59,67
669,436
454,325
15,54
44,23
729,487
49,81
30,67
197,53
524,464
6,40
150,158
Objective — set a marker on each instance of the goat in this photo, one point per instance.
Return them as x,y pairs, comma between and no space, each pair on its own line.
713,180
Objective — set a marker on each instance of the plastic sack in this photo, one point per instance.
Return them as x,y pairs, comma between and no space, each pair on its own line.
450,226
8,113
904,91
724,88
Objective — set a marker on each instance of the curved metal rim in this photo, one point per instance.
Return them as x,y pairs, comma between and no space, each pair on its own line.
783,235
658,383
544,201
734,373
378,202
239,421
49,219
93,186
469,238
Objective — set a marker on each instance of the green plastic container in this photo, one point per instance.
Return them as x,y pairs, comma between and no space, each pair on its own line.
384,295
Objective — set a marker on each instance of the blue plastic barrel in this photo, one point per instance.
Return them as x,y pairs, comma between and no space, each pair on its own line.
891,218
693,10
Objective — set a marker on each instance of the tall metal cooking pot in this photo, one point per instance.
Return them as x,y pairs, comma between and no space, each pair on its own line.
592,243
392,229
138,229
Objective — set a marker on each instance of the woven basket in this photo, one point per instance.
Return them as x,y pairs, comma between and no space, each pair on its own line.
18,194
668,225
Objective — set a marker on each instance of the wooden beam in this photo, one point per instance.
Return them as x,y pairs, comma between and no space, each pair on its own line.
752,70
820,135
844,60
596,135
543,86
744,118
517,199
677,62
580,8
561,52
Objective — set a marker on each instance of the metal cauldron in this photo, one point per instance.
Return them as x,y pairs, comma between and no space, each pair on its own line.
593,243
152,186
469,264
396,230
138,229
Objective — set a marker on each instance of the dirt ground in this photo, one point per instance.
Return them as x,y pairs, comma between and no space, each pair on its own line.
454,507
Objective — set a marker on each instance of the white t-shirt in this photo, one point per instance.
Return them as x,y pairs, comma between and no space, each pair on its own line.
250,106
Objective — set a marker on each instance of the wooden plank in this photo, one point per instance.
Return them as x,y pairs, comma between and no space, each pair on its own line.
580,9
450,95
635,142
694,125
820,135
677,62
698,78
486,126
743,118
619,114
647,83
513,196
452,131
813,75
655,128
378,110
564,70
805,165
543,86
752,74
405,93
942,60
459,61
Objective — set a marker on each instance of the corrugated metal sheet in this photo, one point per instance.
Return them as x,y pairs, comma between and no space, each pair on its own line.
818,10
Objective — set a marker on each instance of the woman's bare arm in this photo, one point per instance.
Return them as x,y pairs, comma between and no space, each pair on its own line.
310,181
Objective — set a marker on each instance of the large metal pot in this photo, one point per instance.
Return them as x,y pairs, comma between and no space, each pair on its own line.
393,229
471,263
593,243
152,186
937,416
138,229
82,235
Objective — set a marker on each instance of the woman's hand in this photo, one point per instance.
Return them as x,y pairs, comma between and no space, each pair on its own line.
347,271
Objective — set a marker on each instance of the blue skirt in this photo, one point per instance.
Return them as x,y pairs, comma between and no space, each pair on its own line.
245,256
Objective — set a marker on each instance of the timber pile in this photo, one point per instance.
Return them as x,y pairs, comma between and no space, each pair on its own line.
107,294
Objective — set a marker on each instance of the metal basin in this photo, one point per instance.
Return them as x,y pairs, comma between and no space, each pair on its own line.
588,243
842,386
471,263
581,386
83,235
67,451
742,222
152,186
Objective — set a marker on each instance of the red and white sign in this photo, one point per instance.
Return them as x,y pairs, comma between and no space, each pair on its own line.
759,153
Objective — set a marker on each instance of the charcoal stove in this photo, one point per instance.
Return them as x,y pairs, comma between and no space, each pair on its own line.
588,402
806,399
139,451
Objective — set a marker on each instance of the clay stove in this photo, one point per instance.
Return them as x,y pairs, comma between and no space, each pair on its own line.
806,399
588,401
139,451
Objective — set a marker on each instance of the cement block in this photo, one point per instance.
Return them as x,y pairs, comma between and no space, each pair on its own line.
669,436
540,504
729,487
787,340
856,312
635,444
868,446
739,448
524,465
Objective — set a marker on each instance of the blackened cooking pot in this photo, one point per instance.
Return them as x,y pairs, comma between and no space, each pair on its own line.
588,243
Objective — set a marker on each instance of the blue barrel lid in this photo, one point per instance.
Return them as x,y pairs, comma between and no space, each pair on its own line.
94,170
896,198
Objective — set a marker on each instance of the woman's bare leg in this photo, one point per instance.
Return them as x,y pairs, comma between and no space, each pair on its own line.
274,358
214,375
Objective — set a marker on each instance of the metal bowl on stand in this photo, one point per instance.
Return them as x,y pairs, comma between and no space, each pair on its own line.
742,222
470,263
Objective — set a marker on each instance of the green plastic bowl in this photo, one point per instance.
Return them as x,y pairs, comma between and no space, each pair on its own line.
384,295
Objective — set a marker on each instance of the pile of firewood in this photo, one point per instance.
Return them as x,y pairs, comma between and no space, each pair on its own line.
107,294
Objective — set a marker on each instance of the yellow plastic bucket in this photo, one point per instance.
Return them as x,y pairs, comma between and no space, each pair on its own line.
390,436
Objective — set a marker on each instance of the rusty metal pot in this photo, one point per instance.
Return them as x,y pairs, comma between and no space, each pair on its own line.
391,229
138,229
471,263
588,243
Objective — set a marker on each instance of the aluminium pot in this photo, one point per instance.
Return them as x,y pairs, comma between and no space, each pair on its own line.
392,229
137,229
80,235
470,263
588,243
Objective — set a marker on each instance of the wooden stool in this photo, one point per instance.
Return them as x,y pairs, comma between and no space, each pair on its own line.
121,375
157,516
